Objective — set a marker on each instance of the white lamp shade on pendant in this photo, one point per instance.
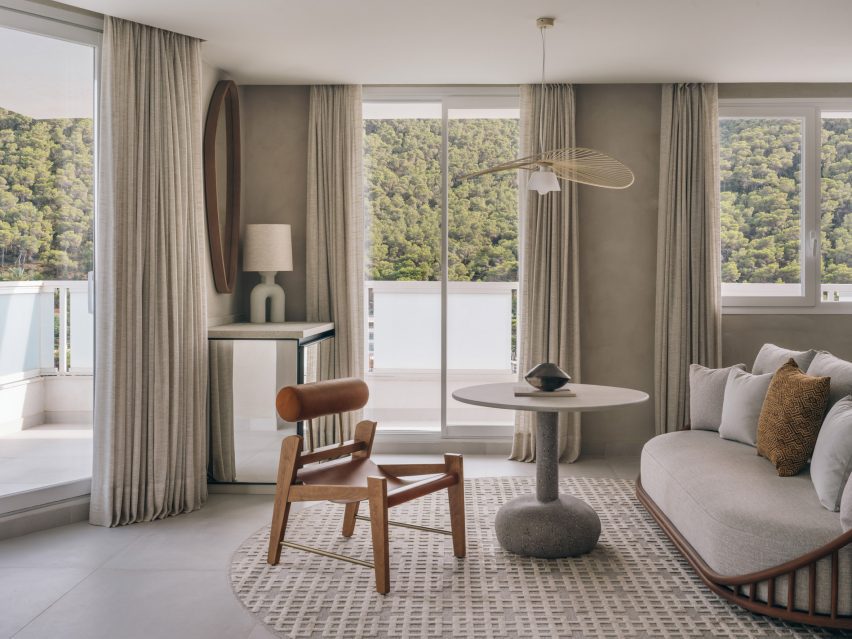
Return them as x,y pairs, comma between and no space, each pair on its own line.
543,181
267,248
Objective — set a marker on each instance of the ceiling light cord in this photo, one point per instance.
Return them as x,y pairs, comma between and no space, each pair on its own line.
541,93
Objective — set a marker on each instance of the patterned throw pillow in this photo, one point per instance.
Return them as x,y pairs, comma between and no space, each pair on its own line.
791,418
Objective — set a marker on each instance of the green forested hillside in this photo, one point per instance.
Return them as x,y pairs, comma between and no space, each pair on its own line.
761,191
760,165
836,201
46,199
403,183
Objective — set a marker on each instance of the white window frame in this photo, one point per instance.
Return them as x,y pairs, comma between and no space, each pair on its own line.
450,97
810,112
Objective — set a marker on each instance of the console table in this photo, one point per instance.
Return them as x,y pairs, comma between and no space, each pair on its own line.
548,524
249,363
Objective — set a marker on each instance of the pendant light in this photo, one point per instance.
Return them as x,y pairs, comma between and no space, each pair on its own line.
575,164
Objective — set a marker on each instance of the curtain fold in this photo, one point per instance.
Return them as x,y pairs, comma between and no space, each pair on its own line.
549,294
151,347
688,306
335,238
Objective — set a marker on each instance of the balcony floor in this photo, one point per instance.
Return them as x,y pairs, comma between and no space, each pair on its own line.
44,456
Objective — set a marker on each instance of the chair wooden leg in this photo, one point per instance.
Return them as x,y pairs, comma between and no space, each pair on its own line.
456,494
378,497
349,518
291,449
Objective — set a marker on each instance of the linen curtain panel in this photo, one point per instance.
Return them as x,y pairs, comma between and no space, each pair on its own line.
151,346
549,303
335,239
688,309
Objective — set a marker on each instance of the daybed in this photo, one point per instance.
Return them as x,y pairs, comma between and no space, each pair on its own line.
759,540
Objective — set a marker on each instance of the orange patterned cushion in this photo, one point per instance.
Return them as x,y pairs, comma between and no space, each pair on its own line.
791,418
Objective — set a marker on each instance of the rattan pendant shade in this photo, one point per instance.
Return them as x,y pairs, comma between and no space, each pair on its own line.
575,164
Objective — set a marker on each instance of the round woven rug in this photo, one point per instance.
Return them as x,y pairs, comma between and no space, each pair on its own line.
634,584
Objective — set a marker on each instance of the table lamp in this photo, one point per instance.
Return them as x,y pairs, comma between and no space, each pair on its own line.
267,250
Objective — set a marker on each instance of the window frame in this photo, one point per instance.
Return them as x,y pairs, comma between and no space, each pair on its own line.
450,97
810,112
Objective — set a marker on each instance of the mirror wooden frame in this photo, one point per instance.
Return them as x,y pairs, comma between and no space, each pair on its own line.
223,250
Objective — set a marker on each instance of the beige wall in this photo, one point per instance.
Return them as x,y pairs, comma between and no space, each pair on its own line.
222,308
275,121
618,239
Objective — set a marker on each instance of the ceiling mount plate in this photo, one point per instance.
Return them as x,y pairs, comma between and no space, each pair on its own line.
545,23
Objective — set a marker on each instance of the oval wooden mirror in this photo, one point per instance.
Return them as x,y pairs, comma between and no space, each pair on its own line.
222,183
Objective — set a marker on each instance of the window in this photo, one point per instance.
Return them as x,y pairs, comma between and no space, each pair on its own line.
441,277
786,198
47,205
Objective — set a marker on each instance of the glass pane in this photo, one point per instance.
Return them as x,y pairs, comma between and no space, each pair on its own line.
761,187
46,251
483,259
46,158
836,207
402,162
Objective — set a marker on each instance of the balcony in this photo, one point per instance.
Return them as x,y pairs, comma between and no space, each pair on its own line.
403,352
46,363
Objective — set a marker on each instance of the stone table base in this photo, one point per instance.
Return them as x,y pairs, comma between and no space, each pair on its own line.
547,525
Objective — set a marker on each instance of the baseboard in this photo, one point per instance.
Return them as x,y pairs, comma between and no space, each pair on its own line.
82,417
59,513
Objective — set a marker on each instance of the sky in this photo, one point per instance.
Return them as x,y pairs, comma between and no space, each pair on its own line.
45,78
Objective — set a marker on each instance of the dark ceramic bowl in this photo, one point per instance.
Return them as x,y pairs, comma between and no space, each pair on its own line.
547,377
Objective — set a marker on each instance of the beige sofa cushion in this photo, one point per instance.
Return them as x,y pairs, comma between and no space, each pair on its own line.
736,512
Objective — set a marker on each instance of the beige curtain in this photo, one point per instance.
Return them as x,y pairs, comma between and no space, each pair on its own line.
151,347
549,305
688,318
335,237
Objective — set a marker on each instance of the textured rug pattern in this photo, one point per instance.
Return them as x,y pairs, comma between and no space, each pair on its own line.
634,584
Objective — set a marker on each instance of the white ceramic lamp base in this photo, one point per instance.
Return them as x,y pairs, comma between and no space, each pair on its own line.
267,290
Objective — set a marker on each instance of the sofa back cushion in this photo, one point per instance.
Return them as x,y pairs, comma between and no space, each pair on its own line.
832,458
772,357
840,372
791,418
744,395
706,395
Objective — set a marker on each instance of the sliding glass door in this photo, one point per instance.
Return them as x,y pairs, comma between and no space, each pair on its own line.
47,206
441,278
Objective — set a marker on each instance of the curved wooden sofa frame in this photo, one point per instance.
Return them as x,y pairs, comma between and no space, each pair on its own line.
742,589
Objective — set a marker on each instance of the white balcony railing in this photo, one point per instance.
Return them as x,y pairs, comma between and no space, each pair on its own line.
403,350
46,328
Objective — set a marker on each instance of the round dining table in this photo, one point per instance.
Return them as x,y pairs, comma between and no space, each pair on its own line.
548,524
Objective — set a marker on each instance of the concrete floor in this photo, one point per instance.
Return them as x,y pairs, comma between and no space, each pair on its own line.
167,578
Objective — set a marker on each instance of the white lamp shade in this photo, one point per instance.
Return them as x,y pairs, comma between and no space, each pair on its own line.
544,182
267,247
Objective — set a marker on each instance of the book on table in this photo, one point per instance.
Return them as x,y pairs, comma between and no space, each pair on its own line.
529,391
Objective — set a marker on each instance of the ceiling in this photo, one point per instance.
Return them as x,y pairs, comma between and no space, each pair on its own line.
496,41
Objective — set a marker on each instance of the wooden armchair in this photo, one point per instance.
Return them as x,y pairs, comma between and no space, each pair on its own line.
355,478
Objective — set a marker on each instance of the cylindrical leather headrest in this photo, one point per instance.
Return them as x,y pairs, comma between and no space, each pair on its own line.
308,401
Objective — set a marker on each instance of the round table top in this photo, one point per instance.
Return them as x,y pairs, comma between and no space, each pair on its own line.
589,398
